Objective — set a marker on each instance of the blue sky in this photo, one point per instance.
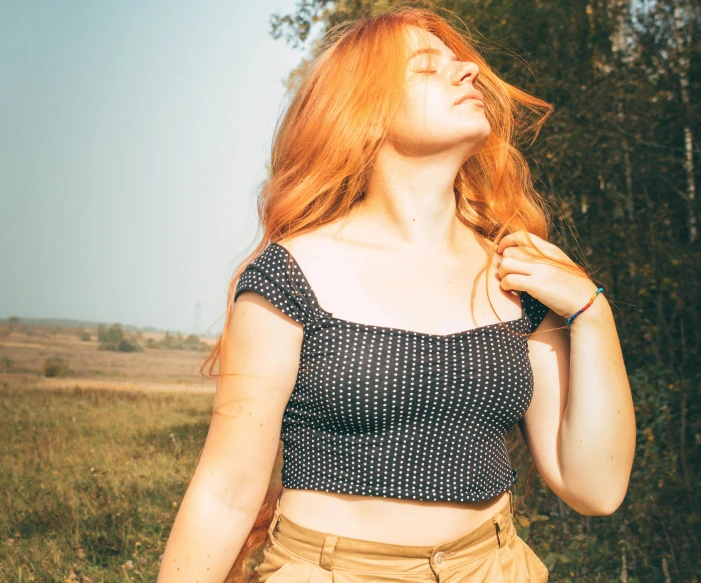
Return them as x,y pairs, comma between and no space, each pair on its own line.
133,136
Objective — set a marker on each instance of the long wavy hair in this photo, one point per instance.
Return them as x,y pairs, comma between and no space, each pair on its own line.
324,147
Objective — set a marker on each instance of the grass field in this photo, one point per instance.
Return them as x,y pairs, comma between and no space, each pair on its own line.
94,465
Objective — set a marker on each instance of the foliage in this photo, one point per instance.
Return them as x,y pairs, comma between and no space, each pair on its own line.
128,345
56,366
178,342
111,335
6,364
113,338
83,335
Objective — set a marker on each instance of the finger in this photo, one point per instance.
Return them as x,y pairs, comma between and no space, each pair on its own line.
517,238
523,253
509,265
519,246
514,281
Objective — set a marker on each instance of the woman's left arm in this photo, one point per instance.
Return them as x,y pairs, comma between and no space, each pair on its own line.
597,436
580,428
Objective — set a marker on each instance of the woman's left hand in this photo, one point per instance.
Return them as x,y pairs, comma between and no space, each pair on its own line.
562,291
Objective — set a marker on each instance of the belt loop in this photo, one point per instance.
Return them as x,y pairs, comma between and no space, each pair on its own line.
276,518
327,551
511,502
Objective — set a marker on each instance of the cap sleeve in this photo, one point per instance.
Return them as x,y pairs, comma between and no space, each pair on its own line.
534,309
263,278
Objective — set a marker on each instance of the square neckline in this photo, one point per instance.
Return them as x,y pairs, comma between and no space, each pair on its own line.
390,329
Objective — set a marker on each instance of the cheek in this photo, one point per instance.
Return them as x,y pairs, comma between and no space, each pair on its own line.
425,102
421,112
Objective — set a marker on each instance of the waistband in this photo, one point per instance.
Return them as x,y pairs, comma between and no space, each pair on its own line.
334,551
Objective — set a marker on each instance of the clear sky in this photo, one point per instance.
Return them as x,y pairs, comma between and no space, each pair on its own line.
133,136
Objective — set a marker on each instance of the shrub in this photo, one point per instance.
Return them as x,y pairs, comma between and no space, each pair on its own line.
55,366
113,338
128,345
107,346
6,364
85,336
111,335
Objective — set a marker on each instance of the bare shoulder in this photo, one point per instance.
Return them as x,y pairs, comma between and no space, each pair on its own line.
311,249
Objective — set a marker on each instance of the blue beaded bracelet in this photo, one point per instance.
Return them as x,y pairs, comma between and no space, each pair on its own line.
589,303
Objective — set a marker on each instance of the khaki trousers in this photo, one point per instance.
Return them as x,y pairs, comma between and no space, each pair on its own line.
492,553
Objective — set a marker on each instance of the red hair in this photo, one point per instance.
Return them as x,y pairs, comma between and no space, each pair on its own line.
325,145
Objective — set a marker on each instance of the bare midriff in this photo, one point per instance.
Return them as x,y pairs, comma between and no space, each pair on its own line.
387,520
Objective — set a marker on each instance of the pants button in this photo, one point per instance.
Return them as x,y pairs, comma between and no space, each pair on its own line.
439,558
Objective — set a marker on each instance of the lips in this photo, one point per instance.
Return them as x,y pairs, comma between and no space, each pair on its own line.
470,95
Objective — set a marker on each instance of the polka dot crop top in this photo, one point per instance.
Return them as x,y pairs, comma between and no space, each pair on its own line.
380,411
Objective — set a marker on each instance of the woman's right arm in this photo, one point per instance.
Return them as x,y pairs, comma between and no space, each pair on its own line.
232,476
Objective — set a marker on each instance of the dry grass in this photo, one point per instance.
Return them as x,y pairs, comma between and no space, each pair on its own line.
153,369
94,465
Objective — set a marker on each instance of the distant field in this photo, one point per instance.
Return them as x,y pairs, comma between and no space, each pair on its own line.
28,347
94,465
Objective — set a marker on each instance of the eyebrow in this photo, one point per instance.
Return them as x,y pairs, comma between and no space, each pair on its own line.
431,51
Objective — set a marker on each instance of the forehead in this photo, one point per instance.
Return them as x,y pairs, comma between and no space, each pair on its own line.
420,39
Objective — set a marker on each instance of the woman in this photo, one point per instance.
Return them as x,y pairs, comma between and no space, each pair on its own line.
396,194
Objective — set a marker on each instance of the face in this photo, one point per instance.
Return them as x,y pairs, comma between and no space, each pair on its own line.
435,116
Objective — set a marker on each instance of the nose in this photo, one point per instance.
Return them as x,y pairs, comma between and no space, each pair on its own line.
466,70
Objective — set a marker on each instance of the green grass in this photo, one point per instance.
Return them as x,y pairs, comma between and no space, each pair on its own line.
92,479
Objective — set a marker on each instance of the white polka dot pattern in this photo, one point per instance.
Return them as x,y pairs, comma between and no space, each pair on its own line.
395,413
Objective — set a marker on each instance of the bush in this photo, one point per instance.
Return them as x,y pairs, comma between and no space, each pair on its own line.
56,367
128,345
177,342
111,335
113,338
6,364
85,336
